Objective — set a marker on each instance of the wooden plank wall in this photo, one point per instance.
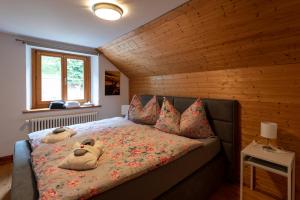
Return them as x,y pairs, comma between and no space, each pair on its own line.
247,50
264,93
204,35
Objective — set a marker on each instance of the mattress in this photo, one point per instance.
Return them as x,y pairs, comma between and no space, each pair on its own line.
160,180
129,151
222,115
121,165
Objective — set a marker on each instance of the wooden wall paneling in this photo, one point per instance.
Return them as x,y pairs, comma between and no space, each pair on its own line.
269,93
247,50
206,35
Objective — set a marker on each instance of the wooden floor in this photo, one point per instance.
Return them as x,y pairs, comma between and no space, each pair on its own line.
232,192
5,181
226,192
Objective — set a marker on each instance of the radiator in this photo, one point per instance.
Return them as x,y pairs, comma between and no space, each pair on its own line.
57,121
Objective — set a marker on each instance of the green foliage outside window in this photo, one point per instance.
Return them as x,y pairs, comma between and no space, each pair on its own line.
51,65
75,69
75,72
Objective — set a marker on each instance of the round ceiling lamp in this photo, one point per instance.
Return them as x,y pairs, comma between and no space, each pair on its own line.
108,11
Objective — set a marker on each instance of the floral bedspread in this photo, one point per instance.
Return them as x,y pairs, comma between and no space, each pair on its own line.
35,138
130,150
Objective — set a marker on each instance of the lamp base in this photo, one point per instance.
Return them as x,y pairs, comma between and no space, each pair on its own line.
268,148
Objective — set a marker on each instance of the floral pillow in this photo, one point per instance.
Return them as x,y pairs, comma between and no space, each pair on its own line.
169,118
143,115
194,123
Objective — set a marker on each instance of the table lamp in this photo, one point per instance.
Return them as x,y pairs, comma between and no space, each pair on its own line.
124,110
268,130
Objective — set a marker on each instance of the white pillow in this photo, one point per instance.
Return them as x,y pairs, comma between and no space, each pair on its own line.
85,162
53,138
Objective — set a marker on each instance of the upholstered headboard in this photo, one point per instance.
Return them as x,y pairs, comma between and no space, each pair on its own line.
223,118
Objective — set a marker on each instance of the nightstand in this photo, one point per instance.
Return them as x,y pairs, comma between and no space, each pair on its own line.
280,162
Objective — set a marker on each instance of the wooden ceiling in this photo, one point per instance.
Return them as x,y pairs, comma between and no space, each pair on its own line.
204,35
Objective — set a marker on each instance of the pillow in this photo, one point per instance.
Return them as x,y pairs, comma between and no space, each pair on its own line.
194,123
56,137
169,118
143,115
88,160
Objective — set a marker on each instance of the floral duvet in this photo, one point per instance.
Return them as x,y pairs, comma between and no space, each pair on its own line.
130,150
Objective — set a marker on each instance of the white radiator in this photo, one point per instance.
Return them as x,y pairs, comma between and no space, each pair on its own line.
57,121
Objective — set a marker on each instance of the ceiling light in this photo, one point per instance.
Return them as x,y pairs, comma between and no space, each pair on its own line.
108,11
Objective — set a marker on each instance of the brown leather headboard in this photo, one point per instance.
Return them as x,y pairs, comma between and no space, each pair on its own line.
223,118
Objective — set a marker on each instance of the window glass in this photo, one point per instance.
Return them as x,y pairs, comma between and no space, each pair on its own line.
59,76
51,78
75,79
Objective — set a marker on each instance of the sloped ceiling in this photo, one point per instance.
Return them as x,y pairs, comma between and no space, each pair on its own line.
204,35
72,21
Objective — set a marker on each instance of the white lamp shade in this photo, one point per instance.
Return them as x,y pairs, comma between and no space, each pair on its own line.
124,109
268,130
108,11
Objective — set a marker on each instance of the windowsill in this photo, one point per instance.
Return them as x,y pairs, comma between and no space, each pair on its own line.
55,110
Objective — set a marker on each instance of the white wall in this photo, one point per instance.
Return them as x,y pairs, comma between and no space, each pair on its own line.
111,109
13,94
12,91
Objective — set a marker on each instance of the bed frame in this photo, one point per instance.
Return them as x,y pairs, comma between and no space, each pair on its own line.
223,117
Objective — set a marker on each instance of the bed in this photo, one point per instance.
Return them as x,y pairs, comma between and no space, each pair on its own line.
192,176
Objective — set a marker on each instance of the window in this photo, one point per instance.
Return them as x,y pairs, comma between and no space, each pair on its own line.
59,76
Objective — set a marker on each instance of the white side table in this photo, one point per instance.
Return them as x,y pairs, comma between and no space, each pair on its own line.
279,162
